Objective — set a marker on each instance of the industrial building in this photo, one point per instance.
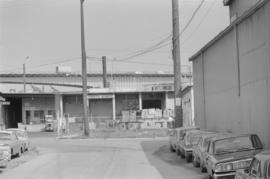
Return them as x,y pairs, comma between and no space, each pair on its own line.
60,95
231,73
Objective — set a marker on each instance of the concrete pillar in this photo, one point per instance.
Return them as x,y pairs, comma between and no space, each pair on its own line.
113,107
140,101
59,110
166,100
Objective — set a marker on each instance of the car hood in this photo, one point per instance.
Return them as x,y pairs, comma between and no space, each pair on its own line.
235,156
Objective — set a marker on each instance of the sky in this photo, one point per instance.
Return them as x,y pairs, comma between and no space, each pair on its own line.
46,33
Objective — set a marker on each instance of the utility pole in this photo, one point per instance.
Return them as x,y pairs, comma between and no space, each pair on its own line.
104,65
177,65
84,75
24,80
24,75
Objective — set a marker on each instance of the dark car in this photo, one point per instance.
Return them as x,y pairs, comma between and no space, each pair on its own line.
259,168
191,139
199,151
182,132
226,154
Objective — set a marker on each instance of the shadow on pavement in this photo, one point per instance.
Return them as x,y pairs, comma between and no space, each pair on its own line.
168,163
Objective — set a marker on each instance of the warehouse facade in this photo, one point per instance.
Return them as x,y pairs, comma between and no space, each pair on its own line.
231,74
59,95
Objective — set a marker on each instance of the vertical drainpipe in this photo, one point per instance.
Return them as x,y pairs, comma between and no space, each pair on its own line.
237,58
204,107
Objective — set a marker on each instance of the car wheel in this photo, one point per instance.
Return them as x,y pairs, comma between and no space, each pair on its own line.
178,152
203,169
195,162
210,177
171,148
182,155
19,153
188,158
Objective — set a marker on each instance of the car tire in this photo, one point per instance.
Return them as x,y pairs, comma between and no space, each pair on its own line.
188,158
178,152
210,177
171,148
195,163
203,169
20,152
182,155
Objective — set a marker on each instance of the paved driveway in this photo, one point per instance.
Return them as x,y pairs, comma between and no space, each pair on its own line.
99,158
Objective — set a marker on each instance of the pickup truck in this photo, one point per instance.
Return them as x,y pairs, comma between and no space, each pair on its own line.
259,168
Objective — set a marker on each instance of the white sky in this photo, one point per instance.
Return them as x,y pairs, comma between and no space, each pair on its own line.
48,31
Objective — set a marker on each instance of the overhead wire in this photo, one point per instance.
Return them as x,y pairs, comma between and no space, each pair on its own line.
203,19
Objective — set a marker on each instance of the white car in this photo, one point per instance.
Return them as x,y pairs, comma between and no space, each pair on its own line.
23,137
10,144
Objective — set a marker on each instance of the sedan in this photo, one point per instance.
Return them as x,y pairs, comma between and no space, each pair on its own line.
23,137
10,143
259,168
226,154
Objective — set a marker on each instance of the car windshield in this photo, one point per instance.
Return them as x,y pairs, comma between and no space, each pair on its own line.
5,136
233,145
193,139
205,143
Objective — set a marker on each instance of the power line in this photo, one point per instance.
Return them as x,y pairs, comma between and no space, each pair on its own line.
203,19
191,19
45,64
161,43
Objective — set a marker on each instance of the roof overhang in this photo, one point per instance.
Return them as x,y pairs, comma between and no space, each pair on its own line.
227,2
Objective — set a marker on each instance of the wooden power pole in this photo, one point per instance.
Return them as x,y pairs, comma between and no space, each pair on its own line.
177,65
84,75
104,67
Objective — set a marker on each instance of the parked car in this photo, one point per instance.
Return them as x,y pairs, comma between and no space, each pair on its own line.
182,132
200,150
5,156
23,137
191,139
173,133
226,154
259,168
10,142
49,123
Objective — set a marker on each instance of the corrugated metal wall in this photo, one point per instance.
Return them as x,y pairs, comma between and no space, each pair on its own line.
216,80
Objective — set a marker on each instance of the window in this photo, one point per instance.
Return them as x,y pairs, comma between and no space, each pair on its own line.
39,116
256,142
210,148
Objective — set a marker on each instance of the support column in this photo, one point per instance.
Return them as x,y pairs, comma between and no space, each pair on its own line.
58,105
140,101
166,100
113,107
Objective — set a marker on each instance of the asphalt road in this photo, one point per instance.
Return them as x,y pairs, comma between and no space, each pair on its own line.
99,158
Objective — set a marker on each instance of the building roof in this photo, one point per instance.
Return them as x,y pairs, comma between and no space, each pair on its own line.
89,75
238,21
